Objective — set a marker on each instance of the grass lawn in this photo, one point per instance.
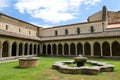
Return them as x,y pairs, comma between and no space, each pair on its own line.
10,71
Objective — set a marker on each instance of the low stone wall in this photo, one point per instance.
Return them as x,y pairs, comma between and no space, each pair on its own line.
94,70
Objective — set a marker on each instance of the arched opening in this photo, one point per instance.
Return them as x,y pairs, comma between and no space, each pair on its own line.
106,49
72,49
14,49
115,49
60,49
20,49
44,49
38,50
26,48
97,49
87,49
66,49
54,48
30,49
79,49
5,49
49,49
34,48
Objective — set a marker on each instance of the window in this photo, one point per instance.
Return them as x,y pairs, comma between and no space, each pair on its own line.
6,27
29,32
78,30
92,29
56,33
19,30
66,32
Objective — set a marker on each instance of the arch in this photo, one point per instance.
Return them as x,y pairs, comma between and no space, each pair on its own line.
79,49
54,48
5,49
115,49
87,49
14,49
20,49
72,49
30,50
66,49
106,49
25,48
60,49
35,47
38,49
44,49
97,49
49,49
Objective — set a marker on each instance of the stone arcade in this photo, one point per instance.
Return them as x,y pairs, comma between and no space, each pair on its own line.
98,37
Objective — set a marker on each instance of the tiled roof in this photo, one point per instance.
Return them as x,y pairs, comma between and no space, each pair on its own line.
16,35
83,36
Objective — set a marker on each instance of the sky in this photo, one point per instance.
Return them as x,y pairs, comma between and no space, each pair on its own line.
49,13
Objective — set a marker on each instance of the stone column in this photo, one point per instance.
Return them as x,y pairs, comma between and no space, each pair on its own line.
57,50
63,50
76,49
17,50
101,50
110,50
10,50
1,48
69,53
28,50
32,49
92,50
23,49
51,49
41,49
46,50
36,53
83,50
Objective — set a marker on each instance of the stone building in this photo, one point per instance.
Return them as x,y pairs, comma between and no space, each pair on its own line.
98,37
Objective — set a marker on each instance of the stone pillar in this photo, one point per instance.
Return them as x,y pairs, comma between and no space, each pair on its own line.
83,50
92,52
1,48
101,50
41,49
69,53
57,50
17,50
110,50
28,50
51,49
76,49
10,50
63,50
36,53
23,50
32,49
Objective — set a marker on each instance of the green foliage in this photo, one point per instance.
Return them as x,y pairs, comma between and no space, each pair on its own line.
11,71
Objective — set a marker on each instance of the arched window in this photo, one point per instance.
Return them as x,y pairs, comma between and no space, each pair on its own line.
78,30
56,33
92,29
66,32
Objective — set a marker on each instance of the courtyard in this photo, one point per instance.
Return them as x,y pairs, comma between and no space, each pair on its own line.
11,71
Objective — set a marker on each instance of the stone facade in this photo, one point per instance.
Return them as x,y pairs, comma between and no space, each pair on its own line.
99,37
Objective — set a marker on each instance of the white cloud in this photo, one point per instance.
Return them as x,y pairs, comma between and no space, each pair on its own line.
4,4
45,26
53,11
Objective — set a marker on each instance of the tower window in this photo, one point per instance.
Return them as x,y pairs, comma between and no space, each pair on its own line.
6,27
92,29
78,30
66,32
56,33
19,30
29,32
